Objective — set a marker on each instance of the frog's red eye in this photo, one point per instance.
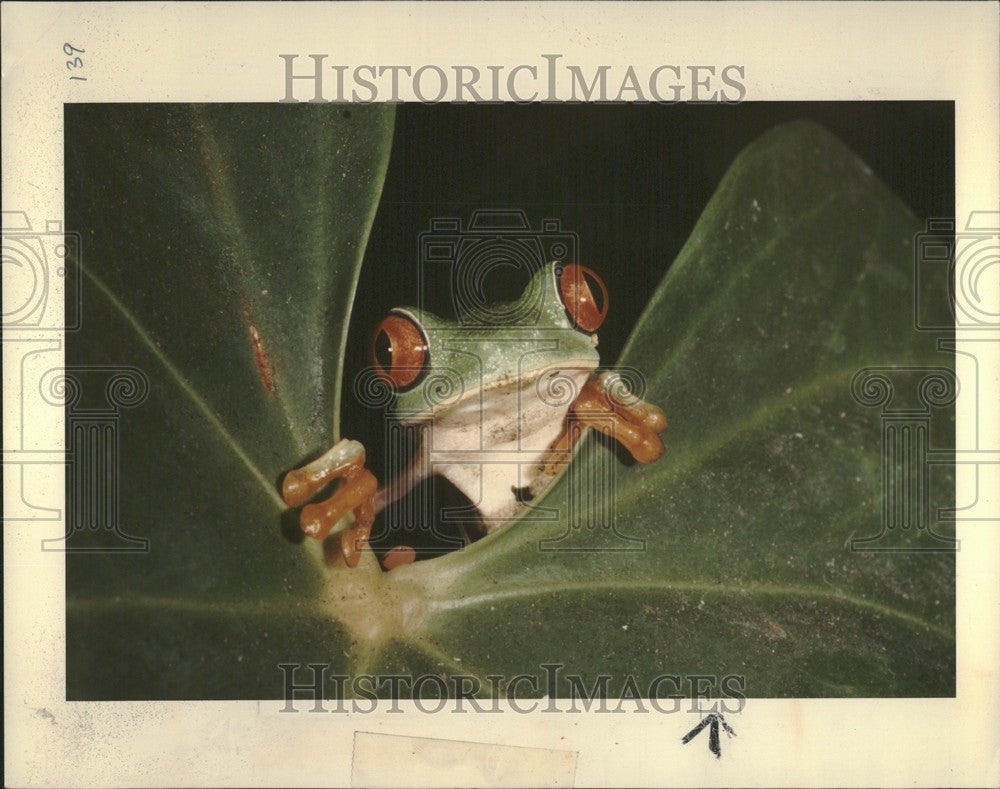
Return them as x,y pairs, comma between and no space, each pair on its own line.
584,296
399,351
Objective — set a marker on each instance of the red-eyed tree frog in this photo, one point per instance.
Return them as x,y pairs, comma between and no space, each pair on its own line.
500,404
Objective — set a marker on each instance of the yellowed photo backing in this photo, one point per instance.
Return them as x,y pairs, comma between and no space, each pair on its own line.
149,52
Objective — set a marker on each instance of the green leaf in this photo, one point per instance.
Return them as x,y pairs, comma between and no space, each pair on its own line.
797,276
221,248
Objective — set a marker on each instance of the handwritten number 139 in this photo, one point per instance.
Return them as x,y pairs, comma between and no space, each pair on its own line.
76,62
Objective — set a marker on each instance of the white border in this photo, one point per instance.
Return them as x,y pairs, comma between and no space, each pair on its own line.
228,52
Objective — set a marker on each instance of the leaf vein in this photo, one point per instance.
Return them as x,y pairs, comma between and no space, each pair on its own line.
762,590
186,387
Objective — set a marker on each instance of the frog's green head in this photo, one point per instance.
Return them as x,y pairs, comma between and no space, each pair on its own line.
435,364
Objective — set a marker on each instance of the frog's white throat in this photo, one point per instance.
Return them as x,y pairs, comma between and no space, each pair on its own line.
491,445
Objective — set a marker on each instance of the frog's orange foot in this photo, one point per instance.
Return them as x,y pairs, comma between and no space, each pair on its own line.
398,556
632,422
345,460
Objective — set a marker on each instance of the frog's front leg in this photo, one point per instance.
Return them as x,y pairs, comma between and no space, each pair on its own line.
345,459
634,423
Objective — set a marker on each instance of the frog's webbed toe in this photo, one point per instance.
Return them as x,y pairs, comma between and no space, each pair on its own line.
344,460
399,556
632,422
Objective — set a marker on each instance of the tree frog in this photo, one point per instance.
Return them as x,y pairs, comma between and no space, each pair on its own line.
500,400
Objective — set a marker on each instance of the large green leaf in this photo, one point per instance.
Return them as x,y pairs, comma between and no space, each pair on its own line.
796,277
221,247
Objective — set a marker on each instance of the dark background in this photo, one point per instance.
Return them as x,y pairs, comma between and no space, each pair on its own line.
630,180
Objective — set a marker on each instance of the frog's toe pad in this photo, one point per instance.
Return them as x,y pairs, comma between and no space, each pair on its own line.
398,556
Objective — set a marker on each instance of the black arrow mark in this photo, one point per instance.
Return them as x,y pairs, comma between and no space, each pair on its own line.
714,719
